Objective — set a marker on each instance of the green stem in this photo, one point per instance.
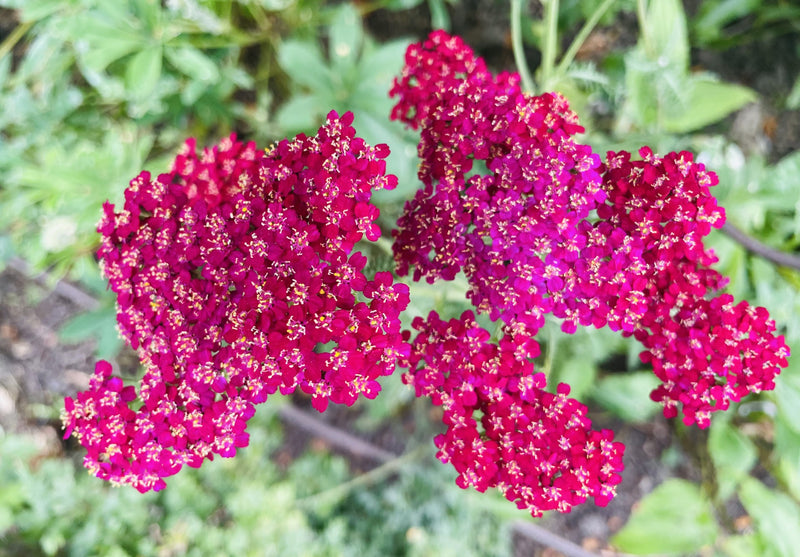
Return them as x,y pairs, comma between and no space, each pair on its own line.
641,15
550,43
581,37
516,44
14,38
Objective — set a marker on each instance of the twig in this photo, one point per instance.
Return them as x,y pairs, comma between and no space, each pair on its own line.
546,538
770,254
333,435
62,288
363,480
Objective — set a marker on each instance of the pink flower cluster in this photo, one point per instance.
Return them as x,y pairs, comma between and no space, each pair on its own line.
514,230
542,227
537,447
654,280
235,279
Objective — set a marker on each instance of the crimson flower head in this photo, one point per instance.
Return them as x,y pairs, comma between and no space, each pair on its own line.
503,429
540,227
236,278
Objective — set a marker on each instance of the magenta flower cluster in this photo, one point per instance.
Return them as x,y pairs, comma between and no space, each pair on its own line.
541,227
235,279
537,447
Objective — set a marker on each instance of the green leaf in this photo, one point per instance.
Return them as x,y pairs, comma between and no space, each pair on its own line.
106,41
579,373
742,546
628,395
776,517
34,10
787,394
787,452
664,34
346,35
674,519
100,324
301,114
143,72
715,15
440,19
304,64
733,454
402,161
709,101
192,62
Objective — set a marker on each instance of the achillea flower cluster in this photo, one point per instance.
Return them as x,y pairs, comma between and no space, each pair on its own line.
523,231
653,273
515,231
235,279
503,429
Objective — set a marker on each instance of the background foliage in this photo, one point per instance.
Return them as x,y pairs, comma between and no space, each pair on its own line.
95,90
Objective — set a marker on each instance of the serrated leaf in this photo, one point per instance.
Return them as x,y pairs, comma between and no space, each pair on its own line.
628,395
709,101
346,35
674,519
193,63
143,71
304,64
776,517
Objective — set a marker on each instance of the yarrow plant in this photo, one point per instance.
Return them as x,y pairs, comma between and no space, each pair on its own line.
236,278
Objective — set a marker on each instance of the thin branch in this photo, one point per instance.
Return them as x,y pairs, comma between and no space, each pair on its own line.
334,435
62,288
762,250
548,539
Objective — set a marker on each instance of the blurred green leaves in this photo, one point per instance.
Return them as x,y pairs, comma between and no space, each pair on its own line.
355,76
662,95
674,519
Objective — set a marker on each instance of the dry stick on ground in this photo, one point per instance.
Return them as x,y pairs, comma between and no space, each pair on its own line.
61,287
548,539
752,245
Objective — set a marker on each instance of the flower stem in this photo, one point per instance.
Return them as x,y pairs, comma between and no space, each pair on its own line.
14,37
580,38
516,44
550,45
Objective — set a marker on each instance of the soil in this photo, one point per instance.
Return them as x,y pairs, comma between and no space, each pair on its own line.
37,369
